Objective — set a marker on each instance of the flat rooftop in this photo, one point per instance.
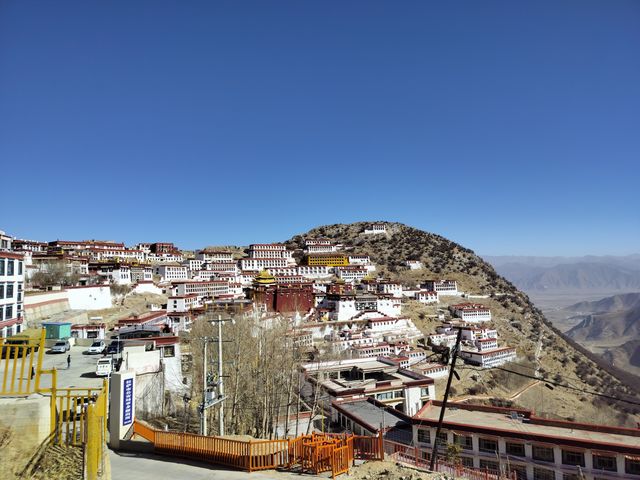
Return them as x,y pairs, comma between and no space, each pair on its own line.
370,414
498,422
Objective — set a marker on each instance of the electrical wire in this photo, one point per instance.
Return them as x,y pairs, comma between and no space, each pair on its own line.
556,384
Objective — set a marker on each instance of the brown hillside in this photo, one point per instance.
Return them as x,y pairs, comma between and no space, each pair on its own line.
520,324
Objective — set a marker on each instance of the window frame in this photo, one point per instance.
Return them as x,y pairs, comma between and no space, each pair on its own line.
519,444
540,458
566,454
486,450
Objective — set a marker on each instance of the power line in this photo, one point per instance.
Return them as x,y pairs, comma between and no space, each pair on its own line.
557,384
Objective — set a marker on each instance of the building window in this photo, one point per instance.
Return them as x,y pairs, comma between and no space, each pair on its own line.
385,396
19,268
632,465
443,438
571,457
544,454
1,290
424,436
543,474
515,449
489,465
10,267
488,445
9,312
465,441
9,290
424,392
605,462
519,470
467,462
168,352
1,266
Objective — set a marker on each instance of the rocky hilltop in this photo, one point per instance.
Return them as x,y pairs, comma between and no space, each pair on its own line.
542,349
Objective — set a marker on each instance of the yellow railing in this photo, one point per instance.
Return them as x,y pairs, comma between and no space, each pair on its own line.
96,435
78,415
20,369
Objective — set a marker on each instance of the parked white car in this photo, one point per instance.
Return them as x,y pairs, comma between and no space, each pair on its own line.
97,347
62,346
104,367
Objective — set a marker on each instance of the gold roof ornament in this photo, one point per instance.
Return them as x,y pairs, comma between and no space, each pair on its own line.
264,278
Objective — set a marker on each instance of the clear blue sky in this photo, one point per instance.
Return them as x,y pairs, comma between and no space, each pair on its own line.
510,127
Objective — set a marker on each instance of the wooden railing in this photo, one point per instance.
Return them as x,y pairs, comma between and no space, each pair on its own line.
314,453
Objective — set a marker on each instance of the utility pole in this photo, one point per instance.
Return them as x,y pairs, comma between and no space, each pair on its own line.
220,377
208,402
203,413
456,349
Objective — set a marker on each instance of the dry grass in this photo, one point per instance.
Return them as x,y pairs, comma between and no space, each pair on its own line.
518,322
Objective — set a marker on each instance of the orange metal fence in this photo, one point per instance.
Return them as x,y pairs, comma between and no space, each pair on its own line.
421,459
314,453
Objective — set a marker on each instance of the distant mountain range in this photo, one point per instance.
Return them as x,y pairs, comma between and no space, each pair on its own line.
589,273
611,328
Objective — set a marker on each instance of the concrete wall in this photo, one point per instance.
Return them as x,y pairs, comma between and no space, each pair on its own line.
147,288
136,359
89,298
41,306
150,395
24,425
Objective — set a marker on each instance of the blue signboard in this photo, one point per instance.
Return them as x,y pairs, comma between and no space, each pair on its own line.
127,401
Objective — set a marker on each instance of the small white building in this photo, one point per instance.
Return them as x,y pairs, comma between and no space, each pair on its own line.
414,264
427,296
471,333
431,369
351,274
471,312
490,358
443,287
11,293
359,260
183,303
171,272
258,264
120,254
314,271
442,339
321,248
210,256
88,331
486,344
210,289
375,228
390,288
271,250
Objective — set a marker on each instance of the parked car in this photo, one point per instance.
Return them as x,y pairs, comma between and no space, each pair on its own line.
28,338
97,347
61,346
116,346
104,367
77,409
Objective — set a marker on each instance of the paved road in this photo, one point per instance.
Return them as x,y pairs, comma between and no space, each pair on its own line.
81,374
129,466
